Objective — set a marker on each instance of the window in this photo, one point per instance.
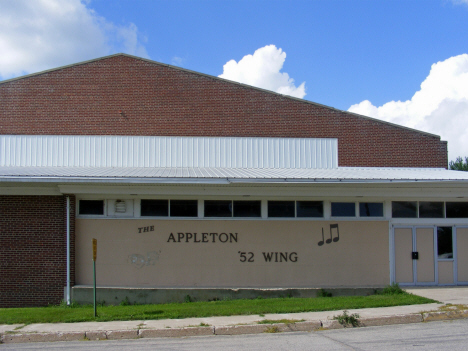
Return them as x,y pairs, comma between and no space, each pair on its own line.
247,209
444,243
218,208
343,209
370,209
457,209
91,207
404,209
184,208
281,209
156,208
309,208
431,209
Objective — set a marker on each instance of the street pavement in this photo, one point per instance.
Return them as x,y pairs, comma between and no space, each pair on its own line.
235,325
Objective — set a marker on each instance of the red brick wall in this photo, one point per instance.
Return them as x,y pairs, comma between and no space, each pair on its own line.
158,100
33,249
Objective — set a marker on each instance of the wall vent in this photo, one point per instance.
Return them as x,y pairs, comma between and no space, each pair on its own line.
120,206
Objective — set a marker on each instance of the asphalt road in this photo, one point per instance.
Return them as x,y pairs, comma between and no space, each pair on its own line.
446,335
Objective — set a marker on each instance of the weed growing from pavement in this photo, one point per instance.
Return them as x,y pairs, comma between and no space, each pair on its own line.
272,329
347,320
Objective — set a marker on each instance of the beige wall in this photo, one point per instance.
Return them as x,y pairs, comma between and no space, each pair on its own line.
129,256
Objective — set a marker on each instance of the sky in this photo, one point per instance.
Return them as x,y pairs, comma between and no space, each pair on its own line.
402,61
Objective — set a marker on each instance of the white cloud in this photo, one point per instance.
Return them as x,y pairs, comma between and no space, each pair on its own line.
41,34
263,70
439,107
177,61
458,2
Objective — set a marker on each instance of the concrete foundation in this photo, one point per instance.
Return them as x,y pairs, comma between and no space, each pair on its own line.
113,296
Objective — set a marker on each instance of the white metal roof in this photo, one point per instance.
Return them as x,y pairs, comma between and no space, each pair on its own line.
226,175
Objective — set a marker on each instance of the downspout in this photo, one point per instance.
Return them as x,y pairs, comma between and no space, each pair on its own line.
68,250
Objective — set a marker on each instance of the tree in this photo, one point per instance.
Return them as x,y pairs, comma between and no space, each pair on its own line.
459,164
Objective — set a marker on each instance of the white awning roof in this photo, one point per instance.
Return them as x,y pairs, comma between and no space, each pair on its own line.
226,175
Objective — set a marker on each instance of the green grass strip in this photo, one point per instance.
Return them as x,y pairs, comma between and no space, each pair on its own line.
65,314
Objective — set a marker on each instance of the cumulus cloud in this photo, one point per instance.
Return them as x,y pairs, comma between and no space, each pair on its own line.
263,70
41,34
458,2
177,61
439,107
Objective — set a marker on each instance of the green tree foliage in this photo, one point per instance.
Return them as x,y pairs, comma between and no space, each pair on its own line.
459,164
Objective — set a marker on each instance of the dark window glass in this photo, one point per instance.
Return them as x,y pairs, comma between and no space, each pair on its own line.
456,209
159,208
404,209
309,208
371,209
184,208
91,207
343,209
218,208
247,209
444,242
431,209
280,208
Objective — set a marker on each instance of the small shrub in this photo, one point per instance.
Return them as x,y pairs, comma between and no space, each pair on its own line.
323,293
125,302
187,298
393,289
347,320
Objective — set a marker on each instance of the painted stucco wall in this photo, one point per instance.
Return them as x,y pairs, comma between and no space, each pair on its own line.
161,253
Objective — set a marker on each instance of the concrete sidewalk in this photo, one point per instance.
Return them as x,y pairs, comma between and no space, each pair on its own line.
308,321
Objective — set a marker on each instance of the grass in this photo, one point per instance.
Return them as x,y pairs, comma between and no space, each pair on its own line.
76,313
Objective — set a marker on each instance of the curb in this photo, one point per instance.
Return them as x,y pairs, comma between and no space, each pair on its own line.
306,326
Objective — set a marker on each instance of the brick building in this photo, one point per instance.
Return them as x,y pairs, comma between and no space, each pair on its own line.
192,182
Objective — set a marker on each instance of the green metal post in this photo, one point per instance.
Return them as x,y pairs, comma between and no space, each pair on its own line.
94,275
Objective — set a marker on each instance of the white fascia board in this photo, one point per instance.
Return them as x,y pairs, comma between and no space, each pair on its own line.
331,191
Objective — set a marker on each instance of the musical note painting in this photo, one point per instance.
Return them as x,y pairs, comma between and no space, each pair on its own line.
334,229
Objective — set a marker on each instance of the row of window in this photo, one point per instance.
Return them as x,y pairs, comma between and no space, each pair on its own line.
427,209
282,209
241,208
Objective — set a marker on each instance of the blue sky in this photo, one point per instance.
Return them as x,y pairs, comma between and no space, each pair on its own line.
370,56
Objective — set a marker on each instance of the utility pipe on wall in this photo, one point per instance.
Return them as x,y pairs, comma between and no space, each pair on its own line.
68,250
